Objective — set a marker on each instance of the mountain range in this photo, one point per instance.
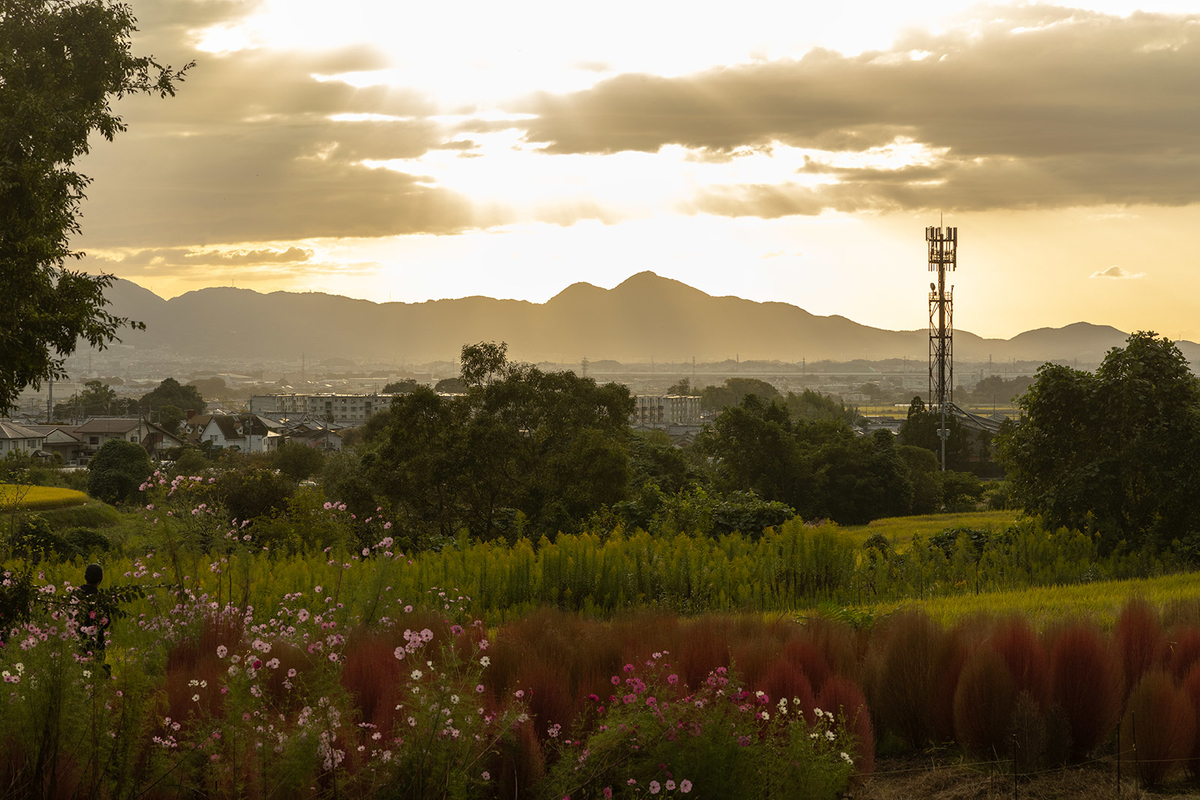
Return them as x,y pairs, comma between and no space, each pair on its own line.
645,318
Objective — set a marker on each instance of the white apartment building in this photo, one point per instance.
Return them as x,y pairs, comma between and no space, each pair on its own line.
349,410
665,411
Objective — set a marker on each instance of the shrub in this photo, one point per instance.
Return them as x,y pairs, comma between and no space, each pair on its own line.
1085,680
251,493
1184,646
843,697
983,704
1158,730
116,471
1028,730
1139,639
1016,643
912,671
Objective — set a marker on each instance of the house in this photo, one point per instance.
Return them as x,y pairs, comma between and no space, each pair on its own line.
16,438
343,409
246,433
158,439
94,433
320,438
61,441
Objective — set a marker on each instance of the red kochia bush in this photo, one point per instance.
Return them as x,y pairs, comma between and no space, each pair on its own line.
983,704
1184,645
843,697
1085,680
1191,692
1018,646
803,654
911,672
785,680
1159,727
1139,639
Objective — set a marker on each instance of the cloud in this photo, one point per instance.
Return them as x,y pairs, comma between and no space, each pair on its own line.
1116,273
1046,107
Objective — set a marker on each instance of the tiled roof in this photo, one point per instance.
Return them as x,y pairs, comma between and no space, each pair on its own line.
107,425
11,430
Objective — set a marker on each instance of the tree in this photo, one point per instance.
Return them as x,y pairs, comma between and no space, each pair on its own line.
734,390
171,393
60,65
682,387
170,417
546,448
209,387
116,471
96,400
451,386
297,461
1116,453
400,387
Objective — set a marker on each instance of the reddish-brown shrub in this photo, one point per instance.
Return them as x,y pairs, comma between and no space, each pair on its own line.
704,648
1086,681
548,692
911,671
1183,643
841,646
785,680
752,658
1191,691
370,674
1158,730
1014,640
1139,640
843,697
983,704
520,763
802,653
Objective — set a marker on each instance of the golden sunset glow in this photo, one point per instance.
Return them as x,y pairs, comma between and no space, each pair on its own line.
400,152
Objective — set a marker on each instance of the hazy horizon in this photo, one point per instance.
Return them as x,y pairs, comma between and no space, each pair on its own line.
783,154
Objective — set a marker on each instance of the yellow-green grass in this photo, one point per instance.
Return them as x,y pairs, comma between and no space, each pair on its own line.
38,498
1101,601
899,530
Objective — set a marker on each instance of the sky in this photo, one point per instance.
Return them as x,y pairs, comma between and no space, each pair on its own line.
773,150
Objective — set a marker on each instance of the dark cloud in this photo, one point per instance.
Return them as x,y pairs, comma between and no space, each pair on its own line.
1046,107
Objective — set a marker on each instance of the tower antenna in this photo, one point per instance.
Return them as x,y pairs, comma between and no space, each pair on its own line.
943,257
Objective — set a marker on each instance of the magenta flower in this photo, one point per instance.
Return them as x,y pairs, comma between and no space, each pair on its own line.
685,786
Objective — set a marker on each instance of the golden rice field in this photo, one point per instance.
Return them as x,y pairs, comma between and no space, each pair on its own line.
900,530
38,498
1101,601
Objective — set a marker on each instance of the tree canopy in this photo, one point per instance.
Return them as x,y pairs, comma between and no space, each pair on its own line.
61,63
1116,453
522,448
171,393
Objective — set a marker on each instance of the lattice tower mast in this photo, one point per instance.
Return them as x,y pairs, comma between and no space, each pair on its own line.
943,251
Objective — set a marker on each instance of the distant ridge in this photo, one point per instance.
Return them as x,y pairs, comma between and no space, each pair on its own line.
645,317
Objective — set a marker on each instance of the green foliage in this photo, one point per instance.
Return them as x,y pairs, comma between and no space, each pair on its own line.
171,394
819,467
451,386
63,62
250,493
171,417
401,386
298,461
1117,452
116,471
96,400
734,391
551,446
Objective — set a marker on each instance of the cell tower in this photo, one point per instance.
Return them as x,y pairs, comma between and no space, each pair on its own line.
943,253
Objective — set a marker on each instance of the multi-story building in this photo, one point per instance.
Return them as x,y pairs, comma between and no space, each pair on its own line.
343,409
665,411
